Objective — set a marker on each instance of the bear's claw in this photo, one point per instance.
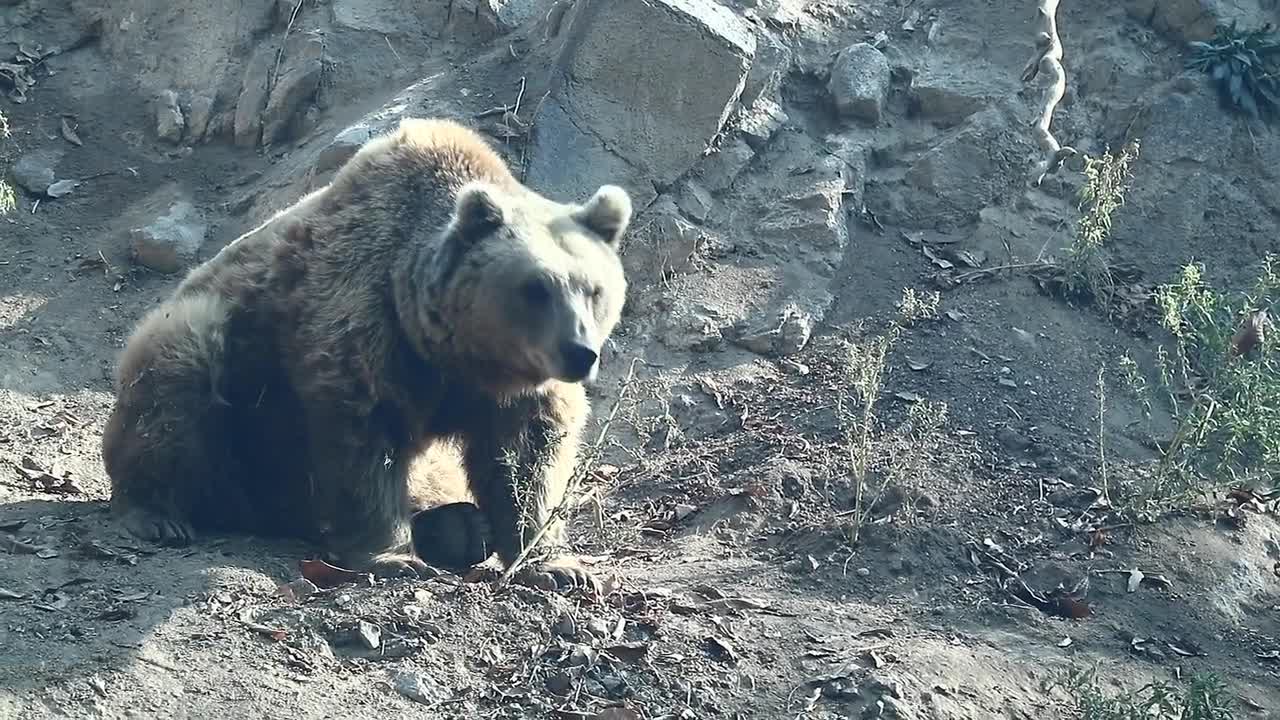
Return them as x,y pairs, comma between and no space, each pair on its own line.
154,527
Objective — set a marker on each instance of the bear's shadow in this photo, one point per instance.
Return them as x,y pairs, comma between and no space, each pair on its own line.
79,594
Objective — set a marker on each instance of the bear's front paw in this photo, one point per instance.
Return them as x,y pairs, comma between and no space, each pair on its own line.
389,565
157,528
560,572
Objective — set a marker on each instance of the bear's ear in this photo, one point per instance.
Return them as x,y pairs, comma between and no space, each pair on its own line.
606,214
476,213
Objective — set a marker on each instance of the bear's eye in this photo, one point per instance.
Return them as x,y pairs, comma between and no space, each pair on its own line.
536,293
596,293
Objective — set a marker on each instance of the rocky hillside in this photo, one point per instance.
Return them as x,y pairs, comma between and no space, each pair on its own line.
895,425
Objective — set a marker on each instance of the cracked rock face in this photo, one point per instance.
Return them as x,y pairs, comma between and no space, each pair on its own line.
626,106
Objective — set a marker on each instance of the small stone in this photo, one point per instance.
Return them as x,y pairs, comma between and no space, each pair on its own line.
759,122
169,120
512,14
796,330
598,627
417,688
299,589
199,113
718,170
663,245
342,147
34,171
948,94
786,335
695,201
370,635
860,81
172,241
564,625
1012,440
613,684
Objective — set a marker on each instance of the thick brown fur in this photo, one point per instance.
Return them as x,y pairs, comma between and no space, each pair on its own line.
425,315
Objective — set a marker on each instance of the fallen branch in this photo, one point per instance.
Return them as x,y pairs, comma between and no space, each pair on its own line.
1048,60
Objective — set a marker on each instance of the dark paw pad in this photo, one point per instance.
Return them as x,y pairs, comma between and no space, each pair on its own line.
454,536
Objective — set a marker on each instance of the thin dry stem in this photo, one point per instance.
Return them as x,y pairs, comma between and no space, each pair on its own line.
571,499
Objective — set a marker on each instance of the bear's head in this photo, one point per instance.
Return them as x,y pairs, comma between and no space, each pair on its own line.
534,287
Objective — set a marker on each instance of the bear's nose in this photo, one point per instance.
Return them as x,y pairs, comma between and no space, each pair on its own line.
579,360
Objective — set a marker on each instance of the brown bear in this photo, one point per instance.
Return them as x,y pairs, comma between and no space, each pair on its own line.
425,305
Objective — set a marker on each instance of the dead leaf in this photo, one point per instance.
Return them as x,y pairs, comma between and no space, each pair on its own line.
1007,382
69,134
1250,334
722,649
17,547
909,397
98,685
6,594
966,258
940,262
324,575
1064,642
1135,579
276,634
918,365
631,652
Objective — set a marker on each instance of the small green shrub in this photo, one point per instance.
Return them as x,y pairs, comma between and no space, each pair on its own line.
1222,375
1244,67
1086,267
866,364
1204,697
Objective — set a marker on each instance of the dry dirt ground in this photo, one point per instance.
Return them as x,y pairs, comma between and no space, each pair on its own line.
725,482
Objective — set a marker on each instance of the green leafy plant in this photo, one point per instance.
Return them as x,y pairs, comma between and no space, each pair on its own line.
1204,697
1222,376
1086,267
1243,66
865,366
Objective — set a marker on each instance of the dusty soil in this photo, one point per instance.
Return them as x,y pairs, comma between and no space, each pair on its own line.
726,486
